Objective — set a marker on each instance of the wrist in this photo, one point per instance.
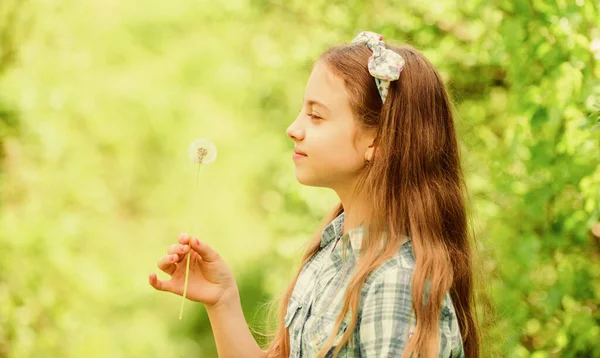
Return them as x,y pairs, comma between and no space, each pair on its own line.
228,301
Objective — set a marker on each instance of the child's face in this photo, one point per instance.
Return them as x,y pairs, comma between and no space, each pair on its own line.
328,134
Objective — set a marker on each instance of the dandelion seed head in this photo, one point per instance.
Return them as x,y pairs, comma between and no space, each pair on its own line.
202,151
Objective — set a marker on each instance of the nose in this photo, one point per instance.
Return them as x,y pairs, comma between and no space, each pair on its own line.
295,131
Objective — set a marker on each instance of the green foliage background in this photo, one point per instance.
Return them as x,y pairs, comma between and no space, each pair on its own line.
99,100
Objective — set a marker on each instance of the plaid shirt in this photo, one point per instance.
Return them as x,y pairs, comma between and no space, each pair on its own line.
384,314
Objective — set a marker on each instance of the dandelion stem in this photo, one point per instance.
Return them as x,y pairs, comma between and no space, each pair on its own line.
187,265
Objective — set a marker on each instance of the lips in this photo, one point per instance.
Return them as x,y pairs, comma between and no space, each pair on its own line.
299,152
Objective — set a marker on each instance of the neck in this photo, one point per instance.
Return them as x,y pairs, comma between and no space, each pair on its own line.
351,204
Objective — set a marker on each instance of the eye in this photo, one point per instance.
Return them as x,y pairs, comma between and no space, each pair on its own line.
314,116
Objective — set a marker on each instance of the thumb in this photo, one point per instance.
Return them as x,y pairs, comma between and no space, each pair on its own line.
160,285
206,252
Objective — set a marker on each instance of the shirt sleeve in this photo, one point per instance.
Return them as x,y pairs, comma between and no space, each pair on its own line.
386,314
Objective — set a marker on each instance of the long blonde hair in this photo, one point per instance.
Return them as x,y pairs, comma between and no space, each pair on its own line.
415,185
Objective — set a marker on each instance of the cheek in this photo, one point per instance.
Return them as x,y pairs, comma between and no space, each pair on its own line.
342,151
340,156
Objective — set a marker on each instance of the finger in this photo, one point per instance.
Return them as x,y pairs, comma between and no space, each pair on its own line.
205,251
160,285
184,238
173,249
167,264
178,249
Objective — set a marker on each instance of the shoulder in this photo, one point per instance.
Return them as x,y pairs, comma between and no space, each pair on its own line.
393,280
397,269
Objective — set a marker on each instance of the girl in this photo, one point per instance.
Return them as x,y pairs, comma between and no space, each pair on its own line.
390,274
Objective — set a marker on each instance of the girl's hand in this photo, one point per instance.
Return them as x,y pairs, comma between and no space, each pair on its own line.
210,279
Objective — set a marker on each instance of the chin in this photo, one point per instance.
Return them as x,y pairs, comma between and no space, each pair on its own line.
314,183
305,180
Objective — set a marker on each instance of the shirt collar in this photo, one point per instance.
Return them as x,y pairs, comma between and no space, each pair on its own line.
334,230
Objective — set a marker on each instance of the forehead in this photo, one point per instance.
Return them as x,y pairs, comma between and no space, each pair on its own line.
326,87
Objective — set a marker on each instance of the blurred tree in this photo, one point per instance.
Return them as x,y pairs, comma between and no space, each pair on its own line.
14,25
106,96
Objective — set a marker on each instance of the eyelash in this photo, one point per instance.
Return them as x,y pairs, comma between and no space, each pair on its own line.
312,116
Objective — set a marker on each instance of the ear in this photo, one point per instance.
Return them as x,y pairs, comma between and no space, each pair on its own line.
368,137
370,152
